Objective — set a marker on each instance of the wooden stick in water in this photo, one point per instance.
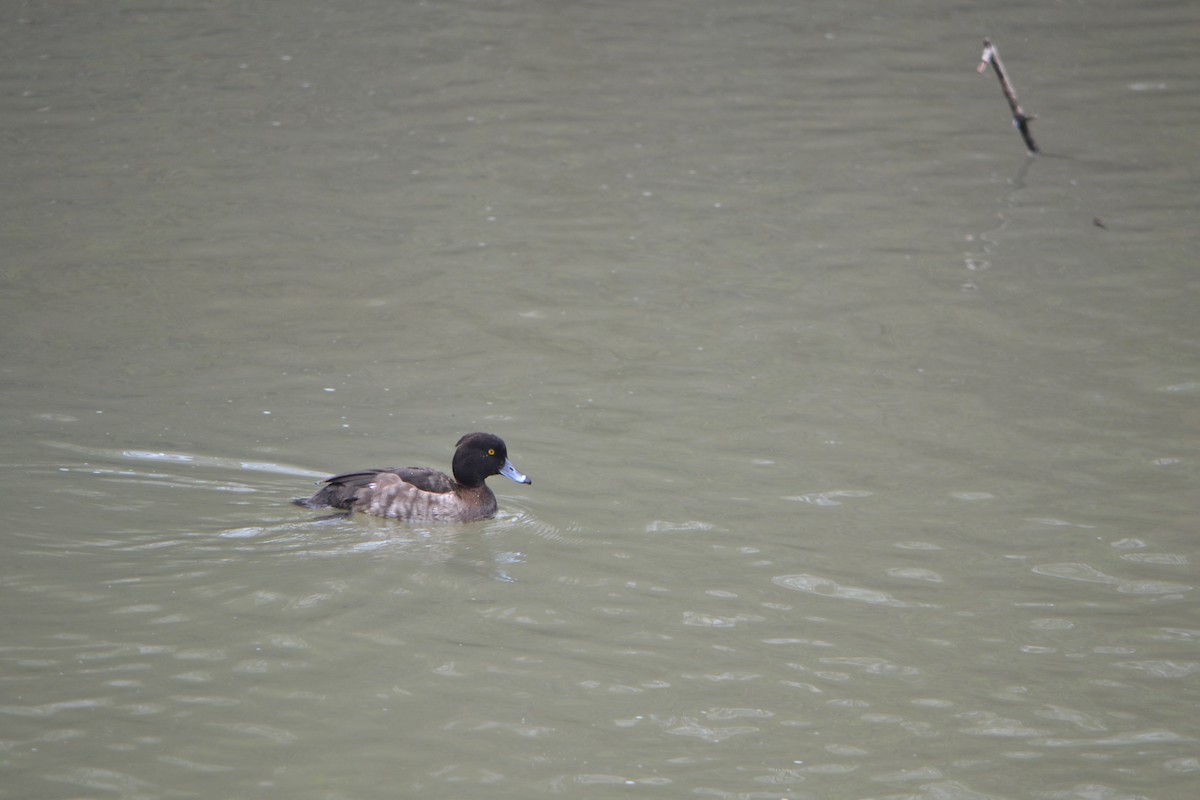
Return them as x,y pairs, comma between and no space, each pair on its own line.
1021,120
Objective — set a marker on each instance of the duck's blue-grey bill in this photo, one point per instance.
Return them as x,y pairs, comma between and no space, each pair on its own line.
512,473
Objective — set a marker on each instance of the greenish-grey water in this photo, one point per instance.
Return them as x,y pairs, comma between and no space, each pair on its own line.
864,461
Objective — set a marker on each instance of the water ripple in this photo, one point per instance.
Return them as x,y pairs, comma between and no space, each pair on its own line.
1076,571
1161,668
105,780
1154,736
158,456
50,709
693,727
825,587
830,498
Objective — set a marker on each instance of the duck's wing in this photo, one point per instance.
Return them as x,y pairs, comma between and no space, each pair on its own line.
341,491
423,478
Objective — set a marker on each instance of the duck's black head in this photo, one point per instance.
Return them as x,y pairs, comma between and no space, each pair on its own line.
480,455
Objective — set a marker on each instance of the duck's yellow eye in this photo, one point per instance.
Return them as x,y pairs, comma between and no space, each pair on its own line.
491,452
